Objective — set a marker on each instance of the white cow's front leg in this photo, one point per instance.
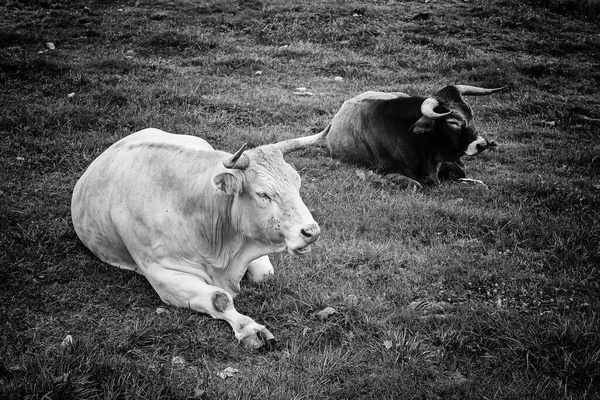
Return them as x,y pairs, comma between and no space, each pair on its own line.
259,269
189,291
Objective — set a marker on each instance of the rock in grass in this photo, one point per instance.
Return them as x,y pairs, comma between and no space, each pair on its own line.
227,372
67,341
325,313
302,91
426,307
178,361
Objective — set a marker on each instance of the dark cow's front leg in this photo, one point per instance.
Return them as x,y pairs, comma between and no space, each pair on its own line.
403,181
452,171
190,291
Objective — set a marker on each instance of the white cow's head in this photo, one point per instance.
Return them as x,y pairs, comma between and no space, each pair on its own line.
266,204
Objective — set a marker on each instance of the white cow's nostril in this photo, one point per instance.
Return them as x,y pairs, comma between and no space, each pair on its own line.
307,233
311,232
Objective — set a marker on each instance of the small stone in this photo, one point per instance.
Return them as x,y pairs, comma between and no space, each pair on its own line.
178,361
352,300
67,341
325,313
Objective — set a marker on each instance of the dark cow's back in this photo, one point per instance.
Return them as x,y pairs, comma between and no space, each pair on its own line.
354,134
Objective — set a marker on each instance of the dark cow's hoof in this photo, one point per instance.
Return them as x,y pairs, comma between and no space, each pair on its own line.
474,182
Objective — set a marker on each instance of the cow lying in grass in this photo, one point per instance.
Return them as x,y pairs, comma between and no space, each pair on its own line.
412,139
192,219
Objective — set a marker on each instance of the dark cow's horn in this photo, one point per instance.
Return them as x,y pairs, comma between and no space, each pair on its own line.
476,91
237,160
427,109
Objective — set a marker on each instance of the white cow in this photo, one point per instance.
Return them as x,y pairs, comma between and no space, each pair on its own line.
192,219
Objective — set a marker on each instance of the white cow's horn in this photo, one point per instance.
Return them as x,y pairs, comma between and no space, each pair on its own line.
476,91
287,146
238,160
427,109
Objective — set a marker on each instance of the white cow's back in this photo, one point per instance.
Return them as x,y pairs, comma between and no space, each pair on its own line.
129,182
149,135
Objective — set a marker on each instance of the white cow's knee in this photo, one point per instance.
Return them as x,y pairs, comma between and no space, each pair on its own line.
259,269
221,302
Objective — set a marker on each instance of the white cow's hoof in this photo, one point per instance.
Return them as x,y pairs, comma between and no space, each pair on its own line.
258,339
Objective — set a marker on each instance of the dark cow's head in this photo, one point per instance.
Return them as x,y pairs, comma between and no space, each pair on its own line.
450,119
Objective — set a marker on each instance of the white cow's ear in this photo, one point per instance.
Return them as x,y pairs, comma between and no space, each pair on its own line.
227,183
423,125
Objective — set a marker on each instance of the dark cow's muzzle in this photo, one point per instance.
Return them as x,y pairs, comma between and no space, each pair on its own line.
487,145
478,145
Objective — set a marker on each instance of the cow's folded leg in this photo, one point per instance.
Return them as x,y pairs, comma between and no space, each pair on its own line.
190,291
259,269
403,181
452,171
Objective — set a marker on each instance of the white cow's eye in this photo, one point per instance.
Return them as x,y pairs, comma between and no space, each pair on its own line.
264,196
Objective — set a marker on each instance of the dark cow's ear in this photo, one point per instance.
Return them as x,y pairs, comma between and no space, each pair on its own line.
423,125
227,183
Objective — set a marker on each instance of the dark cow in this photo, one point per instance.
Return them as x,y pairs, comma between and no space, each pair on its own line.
410,138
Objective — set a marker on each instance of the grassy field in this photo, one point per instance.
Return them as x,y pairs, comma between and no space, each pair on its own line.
453,292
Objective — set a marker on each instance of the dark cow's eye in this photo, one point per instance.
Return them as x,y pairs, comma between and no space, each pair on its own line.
454,123
263,196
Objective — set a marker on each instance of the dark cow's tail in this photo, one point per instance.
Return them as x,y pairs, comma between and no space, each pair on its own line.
290,145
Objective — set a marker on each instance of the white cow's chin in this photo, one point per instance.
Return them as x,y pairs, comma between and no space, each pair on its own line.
299,251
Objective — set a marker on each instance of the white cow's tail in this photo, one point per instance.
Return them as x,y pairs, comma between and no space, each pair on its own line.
290,145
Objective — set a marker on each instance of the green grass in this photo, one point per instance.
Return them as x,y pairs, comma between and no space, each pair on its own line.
454,292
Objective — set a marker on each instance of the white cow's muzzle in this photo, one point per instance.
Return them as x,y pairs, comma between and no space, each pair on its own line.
301,243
